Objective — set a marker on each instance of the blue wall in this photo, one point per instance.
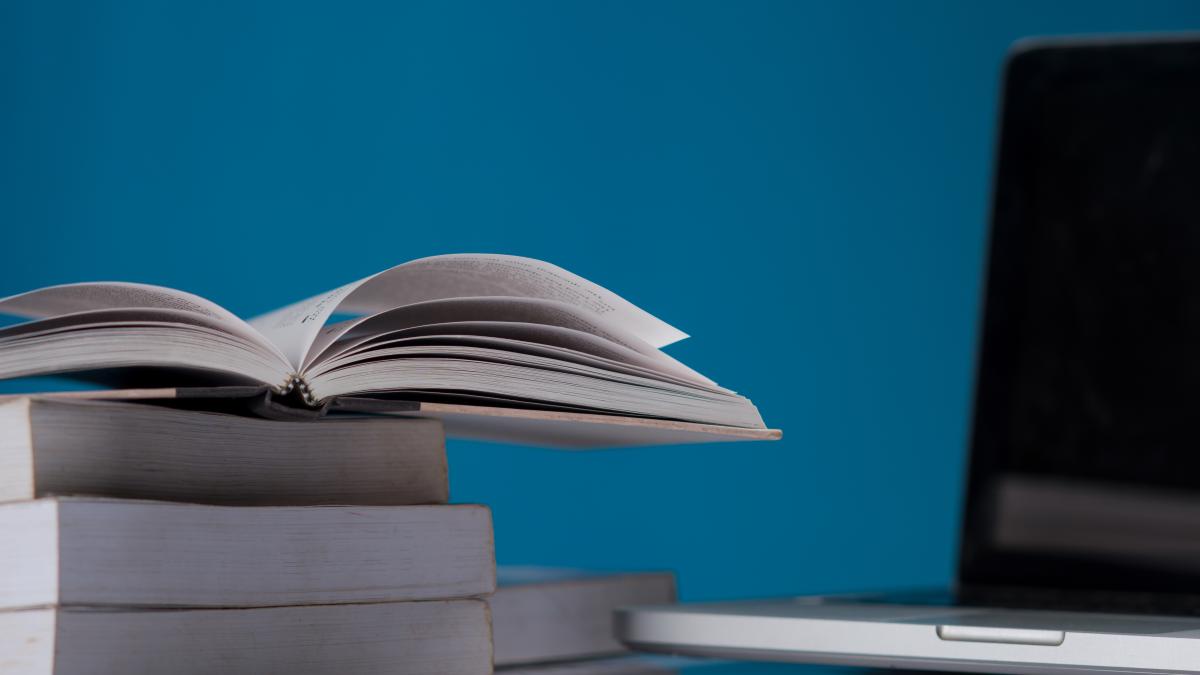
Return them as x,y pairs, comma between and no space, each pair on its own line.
801,186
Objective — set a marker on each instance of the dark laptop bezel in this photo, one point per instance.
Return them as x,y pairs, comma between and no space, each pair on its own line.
985,575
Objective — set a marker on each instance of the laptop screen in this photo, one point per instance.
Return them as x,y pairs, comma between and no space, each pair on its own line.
1085,466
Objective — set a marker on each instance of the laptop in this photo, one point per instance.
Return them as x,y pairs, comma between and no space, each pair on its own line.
1080,545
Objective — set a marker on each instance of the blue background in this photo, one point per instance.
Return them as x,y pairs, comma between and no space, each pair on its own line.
802,187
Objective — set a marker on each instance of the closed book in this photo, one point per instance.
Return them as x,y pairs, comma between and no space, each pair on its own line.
399,638
549,614
122,553
65,446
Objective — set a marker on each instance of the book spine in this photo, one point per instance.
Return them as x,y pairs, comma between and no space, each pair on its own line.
296,382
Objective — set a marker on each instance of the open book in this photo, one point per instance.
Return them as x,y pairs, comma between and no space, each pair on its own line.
476,329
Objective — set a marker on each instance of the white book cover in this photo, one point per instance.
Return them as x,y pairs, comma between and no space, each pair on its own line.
125,553
397,638
552,614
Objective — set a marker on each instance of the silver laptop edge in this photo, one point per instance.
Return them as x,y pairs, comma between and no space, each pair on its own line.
1083,491
985,640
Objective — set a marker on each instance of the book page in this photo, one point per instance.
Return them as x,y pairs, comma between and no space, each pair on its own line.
295,328
103,318
500,309
481,274
440,343
187,342
518,318
79,303
71,298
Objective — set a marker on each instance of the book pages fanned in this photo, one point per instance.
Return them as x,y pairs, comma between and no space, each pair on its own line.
478,331
565,430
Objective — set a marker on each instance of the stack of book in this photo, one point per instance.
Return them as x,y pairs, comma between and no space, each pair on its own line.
211,543
144,539
270,496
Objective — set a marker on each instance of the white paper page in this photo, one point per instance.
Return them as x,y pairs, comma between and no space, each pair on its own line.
496,351
481,274
295,327
511,309
548,382
71,298
553,336
82,298
101,318
437,343
140,344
